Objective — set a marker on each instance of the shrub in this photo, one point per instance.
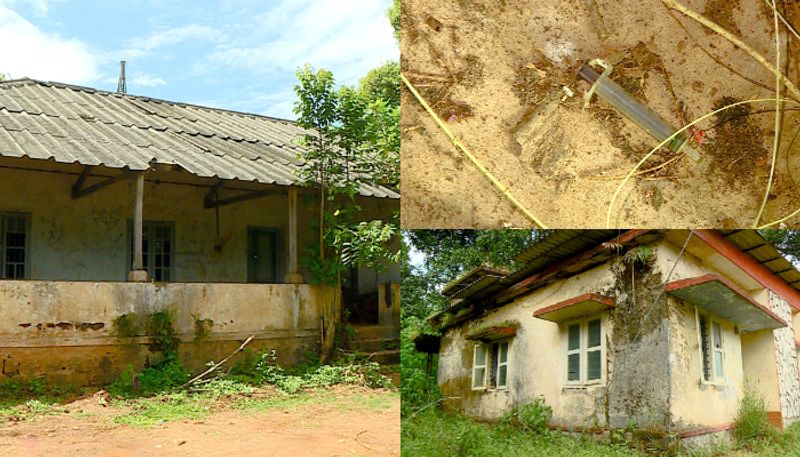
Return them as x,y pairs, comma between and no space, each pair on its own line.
263,369
163,376
751,424
532,417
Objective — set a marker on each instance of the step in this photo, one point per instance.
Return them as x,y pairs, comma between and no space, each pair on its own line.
387,357
374,345
371,332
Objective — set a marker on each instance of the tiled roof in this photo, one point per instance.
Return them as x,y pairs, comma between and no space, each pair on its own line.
73,124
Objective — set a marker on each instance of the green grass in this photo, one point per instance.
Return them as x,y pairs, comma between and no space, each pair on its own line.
149,412
372,401
436,433
29,410
282,401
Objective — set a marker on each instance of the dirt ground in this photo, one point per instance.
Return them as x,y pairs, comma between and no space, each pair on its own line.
494,70
318,429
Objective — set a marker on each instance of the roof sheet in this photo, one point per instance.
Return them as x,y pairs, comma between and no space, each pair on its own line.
74,124
753,244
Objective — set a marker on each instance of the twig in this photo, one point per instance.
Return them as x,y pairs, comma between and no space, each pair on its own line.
715,58
205,373
779,221
500,186
736,41
783,19
638,173
444,79
359,442
668,139
776,141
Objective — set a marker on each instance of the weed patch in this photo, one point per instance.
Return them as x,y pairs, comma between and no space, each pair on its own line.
163,408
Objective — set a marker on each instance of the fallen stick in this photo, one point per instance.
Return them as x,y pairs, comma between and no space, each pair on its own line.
460,146
733,39
221,362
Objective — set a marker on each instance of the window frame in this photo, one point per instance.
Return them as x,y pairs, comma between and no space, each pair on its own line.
583,351
710,321
506,364
151,225
4,215
475,366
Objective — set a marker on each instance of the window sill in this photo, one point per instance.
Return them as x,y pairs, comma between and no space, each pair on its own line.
491,389
584,386
715,384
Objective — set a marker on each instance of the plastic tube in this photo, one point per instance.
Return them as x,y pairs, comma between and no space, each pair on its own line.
641,115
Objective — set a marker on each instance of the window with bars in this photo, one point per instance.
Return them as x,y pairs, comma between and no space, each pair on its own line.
585,351
157,249
709,332
14,245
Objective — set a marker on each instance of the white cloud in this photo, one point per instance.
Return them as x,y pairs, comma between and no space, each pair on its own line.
147,81
348,38
141,46
31,52
40,7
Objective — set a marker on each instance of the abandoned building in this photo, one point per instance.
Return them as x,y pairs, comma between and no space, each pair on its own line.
114,207
660,330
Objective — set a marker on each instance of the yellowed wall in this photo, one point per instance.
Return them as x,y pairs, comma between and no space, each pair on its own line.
537,359
66,330
760,366
693,402
87,239
748,357
653,374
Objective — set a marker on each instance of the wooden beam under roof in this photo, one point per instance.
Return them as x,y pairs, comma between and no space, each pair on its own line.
79,191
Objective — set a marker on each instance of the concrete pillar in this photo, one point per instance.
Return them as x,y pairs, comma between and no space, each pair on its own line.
138,273
293,275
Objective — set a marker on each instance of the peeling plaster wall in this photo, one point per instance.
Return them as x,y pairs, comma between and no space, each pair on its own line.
88,239
639,387
748,357
537,359
760,366
653,360
695,404
66,330
786,355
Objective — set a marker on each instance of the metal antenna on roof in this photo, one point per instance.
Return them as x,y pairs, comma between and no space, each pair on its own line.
121,88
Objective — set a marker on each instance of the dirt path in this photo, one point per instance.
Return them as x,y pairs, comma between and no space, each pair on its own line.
495,71
350,426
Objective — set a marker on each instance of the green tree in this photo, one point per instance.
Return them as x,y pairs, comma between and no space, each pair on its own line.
786,241
345,139
394,18
382,83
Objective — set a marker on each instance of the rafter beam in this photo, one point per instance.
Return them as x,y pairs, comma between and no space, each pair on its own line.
212,195
216,202
78,191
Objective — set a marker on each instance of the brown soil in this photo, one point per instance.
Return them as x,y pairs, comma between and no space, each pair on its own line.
315,429
495,72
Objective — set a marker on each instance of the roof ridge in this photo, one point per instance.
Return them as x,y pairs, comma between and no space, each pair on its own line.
60,85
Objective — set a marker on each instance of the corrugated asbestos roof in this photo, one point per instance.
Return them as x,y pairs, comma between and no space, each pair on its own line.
753,244
73,124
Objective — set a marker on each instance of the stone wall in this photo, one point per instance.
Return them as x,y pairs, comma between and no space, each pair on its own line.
786,355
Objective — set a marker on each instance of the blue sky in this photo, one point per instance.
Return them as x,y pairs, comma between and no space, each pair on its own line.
234,54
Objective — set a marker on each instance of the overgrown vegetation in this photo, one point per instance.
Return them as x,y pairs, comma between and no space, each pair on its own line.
752,425
435,433
163,375
532,417
264,369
